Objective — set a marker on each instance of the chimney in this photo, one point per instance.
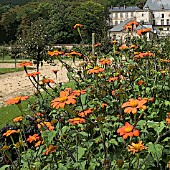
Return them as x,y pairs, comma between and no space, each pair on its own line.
124,6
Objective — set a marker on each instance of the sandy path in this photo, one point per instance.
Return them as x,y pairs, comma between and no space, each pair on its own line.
14,84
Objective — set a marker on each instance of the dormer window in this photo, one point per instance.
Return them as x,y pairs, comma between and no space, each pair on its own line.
162,7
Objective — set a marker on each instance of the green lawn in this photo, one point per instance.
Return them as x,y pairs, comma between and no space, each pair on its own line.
11,70
9,112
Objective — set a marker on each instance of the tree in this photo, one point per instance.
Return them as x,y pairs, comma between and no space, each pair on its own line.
94,18
35,43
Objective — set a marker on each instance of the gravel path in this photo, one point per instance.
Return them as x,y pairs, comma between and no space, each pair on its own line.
15,84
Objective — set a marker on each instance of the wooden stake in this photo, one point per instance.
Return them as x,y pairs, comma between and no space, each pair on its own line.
93,41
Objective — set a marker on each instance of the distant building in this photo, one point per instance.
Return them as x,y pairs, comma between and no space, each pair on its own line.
155,15
160,11
120,14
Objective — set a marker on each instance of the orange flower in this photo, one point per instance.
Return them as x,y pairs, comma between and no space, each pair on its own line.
136,53
35,137
112,79
113,92
141,82
25,63
139,32
16,100
55,71
143,31
164,60
18,119
168,118
38,114
133,22
10,132
133,46
133,104
64,99
38,143
50,149
95,70
77,120
136,147
128,27
104,105
4,148
51,53
105,61
49,125
85,112
75,53
78,92
97,44
55,53
123,47
45,80
146,54
77,25
33,74
127,130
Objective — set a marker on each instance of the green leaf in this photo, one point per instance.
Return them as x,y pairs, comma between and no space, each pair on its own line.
157,126
155,150
83,98
48,136
81,152
4,167
113,141
166,139
147,90
167,103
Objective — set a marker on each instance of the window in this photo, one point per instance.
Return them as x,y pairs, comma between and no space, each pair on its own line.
142,15
116,22
121,15
131,14
167,22
116,15
167,29
126,14
162,21
121,21
162,16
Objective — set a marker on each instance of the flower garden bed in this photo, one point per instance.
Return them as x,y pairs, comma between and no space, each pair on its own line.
116,116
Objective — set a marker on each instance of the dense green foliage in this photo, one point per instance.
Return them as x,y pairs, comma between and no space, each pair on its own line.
16,18
115,116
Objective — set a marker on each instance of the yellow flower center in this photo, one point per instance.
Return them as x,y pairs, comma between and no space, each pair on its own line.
63,99
128,129
133,103
163,71
96,68
78,91
77,118
17,98
137,146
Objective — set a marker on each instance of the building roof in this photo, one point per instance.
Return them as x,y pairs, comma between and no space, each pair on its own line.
124,9
120,27
157,4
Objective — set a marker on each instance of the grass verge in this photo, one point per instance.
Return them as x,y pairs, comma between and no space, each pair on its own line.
11,70
7,113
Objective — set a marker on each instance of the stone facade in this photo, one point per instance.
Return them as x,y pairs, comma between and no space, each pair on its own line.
155,13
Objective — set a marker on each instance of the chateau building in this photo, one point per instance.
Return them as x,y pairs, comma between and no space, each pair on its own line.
155,15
